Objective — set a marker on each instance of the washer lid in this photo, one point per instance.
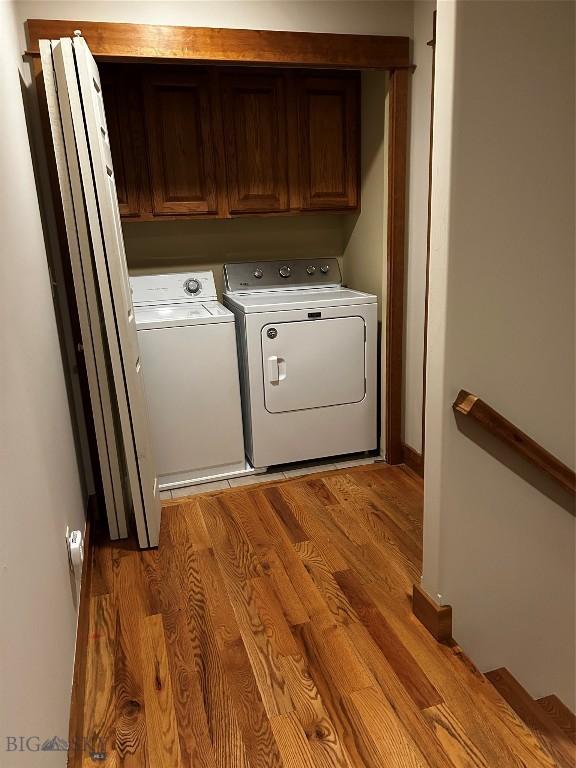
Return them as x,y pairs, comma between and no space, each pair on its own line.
276,301
177,315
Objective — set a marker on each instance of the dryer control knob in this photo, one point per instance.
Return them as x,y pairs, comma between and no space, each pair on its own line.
192,286
311,269
285,271
324,268
258,273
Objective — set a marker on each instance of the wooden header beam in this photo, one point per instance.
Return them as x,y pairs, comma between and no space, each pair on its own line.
137,42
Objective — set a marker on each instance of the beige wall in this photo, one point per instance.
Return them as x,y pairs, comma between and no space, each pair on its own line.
499,541
39,482
420,104
181,245
365,251
386,17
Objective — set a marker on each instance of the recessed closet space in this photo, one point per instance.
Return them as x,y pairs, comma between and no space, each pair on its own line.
163,171
263,168
228,220
270,170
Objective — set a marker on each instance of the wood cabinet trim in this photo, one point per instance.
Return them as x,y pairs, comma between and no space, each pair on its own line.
397,173
131,42
219,154
294,178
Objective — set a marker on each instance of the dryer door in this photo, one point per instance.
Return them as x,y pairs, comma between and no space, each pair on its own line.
313,363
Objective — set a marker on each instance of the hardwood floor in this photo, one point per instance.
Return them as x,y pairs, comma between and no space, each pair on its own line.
273,627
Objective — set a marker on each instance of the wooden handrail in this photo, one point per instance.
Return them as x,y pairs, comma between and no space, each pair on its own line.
473,407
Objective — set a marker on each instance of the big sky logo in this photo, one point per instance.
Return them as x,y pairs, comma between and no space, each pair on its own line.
54,744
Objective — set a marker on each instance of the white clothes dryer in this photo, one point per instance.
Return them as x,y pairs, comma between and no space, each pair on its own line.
307,349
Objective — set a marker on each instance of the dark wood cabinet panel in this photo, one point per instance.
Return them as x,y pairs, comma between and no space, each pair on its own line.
328,116
125,120
255,127
215,142
181,146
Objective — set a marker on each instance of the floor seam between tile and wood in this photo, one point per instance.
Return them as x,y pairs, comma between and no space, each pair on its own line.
274,474
272,628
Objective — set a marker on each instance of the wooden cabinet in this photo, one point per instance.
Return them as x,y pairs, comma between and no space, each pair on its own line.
328,119
124,112
191,141
180,140
255,140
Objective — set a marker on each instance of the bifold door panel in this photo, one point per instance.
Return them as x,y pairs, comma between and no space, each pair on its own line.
85,287
313,363
95,202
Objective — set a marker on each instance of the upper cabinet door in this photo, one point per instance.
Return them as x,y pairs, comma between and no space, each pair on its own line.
328,114
123,104
181,146
254,119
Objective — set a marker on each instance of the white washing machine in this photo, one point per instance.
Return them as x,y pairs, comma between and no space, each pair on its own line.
307,350
187,343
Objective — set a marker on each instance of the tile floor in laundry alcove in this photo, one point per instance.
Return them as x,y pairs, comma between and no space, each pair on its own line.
276,473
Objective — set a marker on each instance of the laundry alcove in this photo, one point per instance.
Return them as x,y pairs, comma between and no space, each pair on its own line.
345,55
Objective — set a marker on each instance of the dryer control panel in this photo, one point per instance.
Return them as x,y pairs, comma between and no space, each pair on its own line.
245,277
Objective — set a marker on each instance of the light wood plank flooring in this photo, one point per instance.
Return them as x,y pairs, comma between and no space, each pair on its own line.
273,627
